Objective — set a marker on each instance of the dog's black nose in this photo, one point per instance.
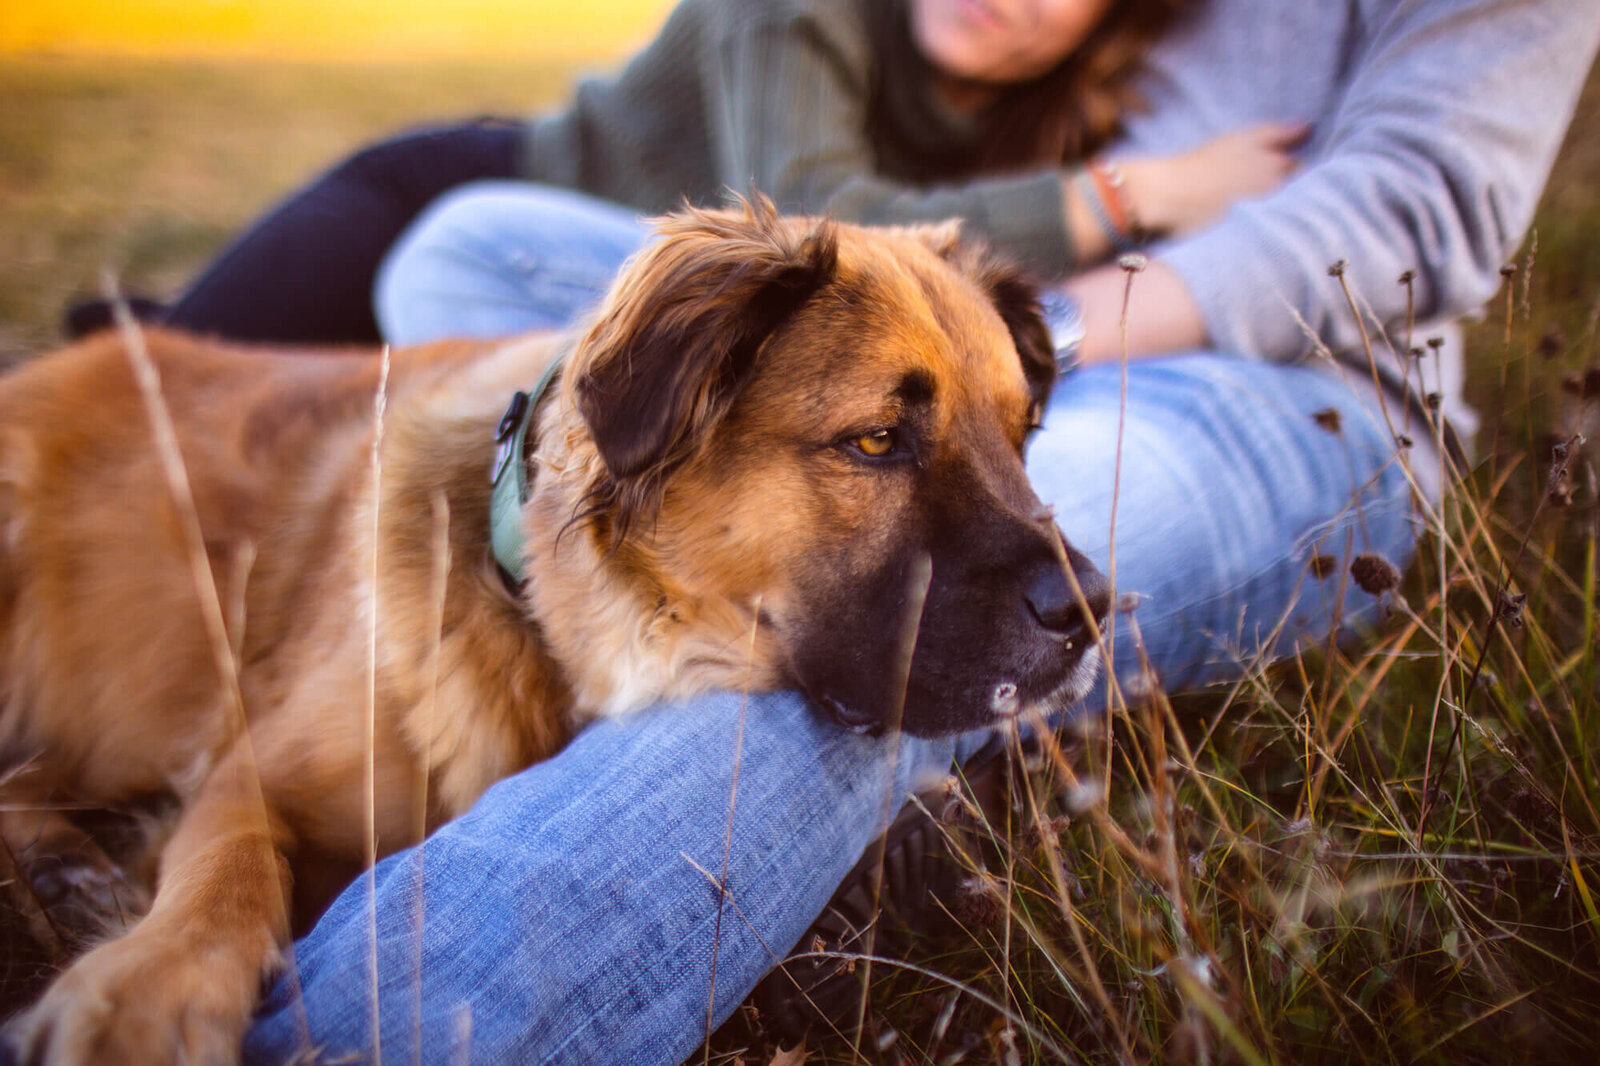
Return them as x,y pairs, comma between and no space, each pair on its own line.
1055,603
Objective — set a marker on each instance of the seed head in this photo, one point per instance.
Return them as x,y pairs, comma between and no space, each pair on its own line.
1323,565
1564,445
1407,277
1329,419
979,903
1584,386
1337,268
1054,828
1374,574
1553,343
1509,609
1402,440
1418,353
1546,443
1133,263
1436,343
1433,400
1509,270
1559,491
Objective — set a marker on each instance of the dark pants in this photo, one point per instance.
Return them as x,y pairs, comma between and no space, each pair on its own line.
304,272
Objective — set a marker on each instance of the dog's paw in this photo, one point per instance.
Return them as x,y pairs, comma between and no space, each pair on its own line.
141,999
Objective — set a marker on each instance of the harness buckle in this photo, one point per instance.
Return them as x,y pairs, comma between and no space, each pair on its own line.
505,434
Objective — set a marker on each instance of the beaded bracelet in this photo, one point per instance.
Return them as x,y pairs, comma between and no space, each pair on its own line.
1103,188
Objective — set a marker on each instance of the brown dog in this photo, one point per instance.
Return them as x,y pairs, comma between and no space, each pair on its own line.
782,448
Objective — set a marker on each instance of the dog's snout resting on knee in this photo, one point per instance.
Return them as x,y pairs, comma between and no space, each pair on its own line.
782,451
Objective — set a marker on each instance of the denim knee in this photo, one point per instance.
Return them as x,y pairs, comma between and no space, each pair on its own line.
498,257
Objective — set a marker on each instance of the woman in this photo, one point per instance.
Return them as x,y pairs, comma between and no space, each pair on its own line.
868,110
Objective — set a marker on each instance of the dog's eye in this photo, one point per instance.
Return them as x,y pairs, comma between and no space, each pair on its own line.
878,442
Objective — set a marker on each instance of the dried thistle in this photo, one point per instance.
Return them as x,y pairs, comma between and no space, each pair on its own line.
980,903
1510,607
1374,574
1560,450
1559,488
1559,492
1037,830
1323,565
1337,268
1584,386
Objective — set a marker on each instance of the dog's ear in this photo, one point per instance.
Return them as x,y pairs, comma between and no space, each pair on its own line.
1016,298
679,334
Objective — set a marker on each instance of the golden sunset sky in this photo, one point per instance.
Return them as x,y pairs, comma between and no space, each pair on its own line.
328,29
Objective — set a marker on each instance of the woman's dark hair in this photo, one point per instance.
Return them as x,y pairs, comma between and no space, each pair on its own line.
1065,115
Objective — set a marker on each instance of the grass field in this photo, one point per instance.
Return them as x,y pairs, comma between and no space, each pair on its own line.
144,166
1386,854
388,30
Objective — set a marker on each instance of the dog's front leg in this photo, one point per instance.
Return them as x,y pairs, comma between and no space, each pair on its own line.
180,986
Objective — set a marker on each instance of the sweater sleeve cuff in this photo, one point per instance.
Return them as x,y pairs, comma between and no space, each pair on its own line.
1243,290
1026,215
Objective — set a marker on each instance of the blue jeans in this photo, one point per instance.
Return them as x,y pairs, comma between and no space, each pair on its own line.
571,916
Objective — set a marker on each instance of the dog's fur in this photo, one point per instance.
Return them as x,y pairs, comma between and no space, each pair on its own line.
706,512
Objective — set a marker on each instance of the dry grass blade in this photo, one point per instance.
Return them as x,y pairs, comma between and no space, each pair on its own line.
175,473
380,402
727,841
918,580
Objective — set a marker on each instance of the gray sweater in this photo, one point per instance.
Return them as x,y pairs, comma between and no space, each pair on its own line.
776,96
1435,124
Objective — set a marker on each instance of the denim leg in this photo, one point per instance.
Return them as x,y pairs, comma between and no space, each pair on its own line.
495,258
1232,481
570,917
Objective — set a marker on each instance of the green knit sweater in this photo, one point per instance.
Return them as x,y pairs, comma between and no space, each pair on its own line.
772,96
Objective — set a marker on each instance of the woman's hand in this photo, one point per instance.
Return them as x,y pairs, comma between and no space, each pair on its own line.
1181,193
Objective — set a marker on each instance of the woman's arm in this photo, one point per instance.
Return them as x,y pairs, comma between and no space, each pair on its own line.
1432,159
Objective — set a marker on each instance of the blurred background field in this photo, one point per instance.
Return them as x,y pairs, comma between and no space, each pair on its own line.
340,30
137,138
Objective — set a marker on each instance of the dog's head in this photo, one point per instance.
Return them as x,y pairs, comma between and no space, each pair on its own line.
825,425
